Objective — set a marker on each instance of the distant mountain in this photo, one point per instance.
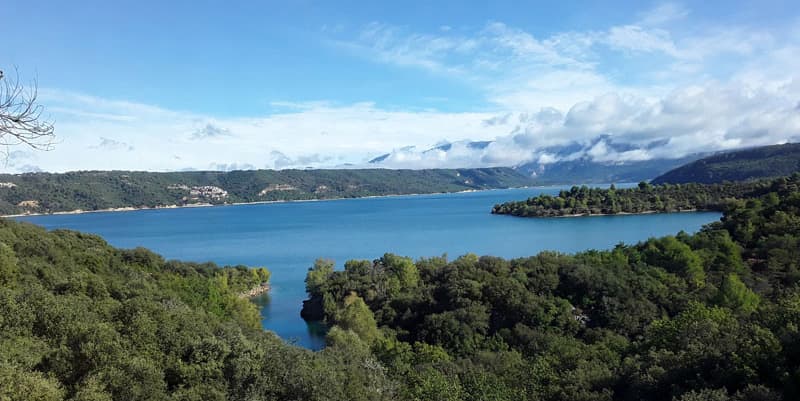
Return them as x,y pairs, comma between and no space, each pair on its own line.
585,171
380,158
444,147
742,165
599,160
98,190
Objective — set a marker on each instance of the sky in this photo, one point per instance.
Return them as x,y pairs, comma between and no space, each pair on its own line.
206,85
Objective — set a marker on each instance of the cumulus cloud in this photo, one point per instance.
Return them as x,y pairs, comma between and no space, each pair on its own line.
612,128
312,134
646,88
209,131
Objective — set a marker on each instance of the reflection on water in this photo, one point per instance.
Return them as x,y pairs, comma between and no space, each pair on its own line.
316,330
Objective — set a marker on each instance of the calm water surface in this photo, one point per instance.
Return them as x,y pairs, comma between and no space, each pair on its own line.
288,237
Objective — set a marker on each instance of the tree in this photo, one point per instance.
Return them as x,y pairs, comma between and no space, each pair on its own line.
21,119
8,265
317,275
403,269
18,384
357,316
675,257
734,294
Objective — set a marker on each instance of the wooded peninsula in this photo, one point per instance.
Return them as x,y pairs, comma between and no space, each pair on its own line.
708,316
645,198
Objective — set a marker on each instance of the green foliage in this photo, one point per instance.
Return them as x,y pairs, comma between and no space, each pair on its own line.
357,317
96,190
735,295
318,274
402,269
24,385
8,265
675,257
670,318
743,165
644,198
85,321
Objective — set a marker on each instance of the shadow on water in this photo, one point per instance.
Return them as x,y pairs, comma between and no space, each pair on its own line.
316,330
316,333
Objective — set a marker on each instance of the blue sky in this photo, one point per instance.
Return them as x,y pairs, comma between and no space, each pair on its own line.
211,85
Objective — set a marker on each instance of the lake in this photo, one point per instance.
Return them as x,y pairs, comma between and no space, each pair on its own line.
288,237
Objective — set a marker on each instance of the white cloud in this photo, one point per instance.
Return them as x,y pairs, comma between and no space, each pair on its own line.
658,79
209,131
613,128
98,133
637,38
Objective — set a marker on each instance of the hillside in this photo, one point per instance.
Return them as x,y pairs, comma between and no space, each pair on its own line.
584,171
81,320
743,165
97,190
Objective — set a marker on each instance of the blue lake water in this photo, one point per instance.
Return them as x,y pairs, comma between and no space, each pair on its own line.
288,237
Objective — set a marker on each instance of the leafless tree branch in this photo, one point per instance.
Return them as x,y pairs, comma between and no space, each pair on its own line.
21,121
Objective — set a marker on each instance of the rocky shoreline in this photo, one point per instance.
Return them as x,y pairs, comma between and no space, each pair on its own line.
256,291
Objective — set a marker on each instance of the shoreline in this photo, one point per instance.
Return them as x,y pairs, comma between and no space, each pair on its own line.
634,213
193,205
256,291
608,214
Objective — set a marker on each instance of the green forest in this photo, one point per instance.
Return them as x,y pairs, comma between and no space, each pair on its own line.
644,198
81,320
98,190
742,165
709,316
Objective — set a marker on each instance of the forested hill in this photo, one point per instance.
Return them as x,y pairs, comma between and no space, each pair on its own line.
645,198
708,316
97,190
763,162
83,321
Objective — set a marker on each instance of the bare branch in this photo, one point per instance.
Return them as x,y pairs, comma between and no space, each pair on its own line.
21,121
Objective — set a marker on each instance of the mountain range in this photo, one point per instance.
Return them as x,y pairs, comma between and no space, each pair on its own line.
600,160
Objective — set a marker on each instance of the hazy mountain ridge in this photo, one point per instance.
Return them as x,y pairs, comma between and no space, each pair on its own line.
584,171
602,159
